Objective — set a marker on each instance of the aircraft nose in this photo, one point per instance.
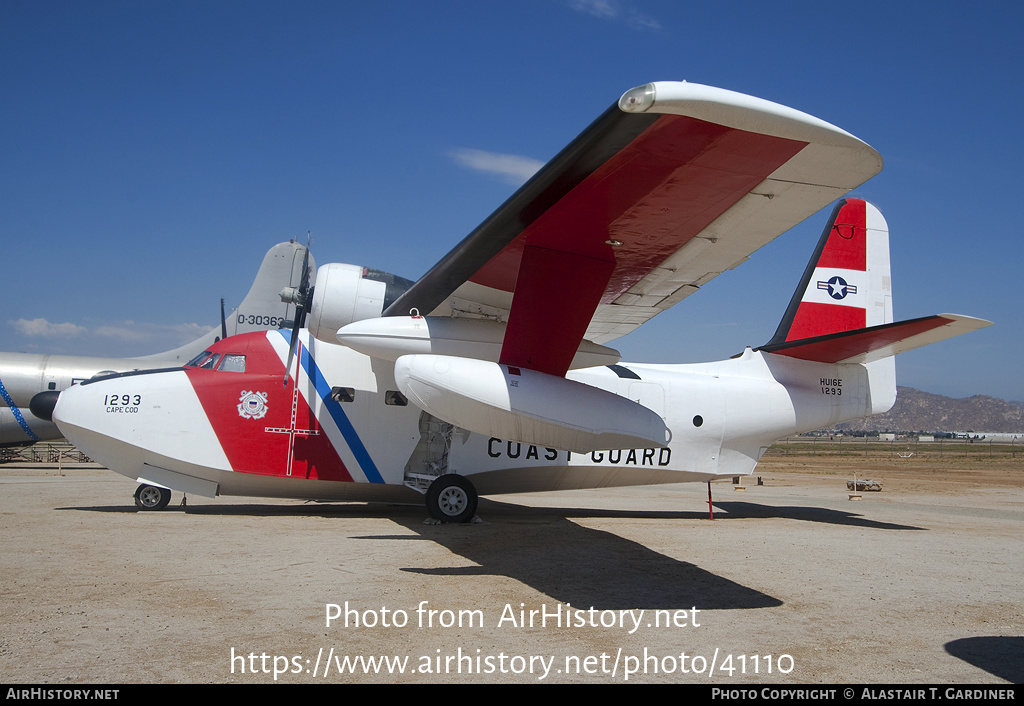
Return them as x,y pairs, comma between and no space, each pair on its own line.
42,404
130,420
84,416
65,409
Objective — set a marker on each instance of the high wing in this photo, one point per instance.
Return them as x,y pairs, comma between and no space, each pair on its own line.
671,186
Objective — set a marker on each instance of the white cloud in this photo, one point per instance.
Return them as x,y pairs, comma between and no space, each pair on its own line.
130,331
41,328
606,9
613,10
512,168
118,339
642,22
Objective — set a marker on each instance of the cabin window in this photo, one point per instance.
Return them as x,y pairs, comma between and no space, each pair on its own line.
395,398
343,394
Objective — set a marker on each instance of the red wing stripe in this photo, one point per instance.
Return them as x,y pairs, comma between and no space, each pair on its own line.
631,214
666,186
605,137
555,299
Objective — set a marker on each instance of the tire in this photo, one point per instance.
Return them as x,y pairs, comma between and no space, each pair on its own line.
151,497
452,498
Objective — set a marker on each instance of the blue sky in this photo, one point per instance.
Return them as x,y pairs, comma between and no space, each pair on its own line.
151,152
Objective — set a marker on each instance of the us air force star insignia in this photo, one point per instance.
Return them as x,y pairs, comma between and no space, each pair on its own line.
252,405
837,287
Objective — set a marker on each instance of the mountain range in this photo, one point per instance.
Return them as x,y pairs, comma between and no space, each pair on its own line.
922,411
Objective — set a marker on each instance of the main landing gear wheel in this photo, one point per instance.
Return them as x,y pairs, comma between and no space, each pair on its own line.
151,497
451,498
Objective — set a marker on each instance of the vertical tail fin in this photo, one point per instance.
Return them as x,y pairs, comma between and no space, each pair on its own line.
847,284
262,307
841,312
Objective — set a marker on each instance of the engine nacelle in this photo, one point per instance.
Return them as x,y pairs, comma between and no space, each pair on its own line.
347,293
392,337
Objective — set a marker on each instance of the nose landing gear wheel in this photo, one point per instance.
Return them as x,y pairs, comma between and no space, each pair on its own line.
451,498
151,497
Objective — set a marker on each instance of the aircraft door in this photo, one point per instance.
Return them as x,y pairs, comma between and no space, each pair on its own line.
650,394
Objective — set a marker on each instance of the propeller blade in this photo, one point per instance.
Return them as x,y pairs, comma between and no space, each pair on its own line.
291,354
301,307
223,322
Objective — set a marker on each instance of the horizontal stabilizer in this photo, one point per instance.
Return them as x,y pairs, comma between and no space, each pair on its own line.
876,342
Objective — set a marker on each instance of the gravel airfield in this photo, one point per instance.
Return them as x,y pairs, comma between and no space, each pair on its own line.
791,583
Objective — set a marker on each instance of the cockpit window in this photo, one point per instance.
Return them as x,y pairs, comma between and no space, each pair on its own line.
194,363
208,360
211,362
233,363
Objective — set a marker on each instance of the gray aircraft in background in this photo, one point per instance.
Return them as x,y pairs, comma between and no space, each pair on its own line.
23,376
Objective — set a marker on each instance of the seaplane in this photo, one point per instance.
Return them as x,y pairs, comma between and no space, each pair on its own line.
491,374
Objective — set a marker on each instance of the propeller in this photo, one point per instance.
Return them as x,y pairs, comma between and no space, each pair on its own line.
223,321
300,297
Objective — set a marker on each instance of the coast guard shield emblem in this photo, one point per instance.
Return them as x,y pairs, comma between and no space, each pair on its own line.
252,405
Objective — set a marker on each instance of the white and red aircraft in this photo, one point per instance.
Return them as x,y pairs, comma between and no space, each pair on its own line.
488,375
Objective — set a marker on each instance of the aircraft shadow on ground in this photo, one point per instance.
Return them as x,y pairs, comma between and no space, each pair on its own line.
584,567
807,514
733,511
544,548
1002,657
297,509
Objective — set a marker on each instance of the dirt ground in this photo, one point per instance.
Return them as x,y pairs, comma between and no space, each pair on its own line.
792,582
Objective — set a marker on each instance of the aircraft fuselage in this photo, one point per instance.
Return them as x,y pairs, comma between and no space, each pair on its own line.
341,429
